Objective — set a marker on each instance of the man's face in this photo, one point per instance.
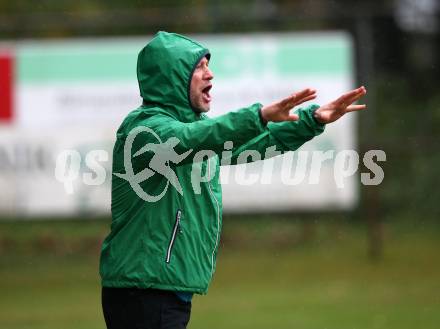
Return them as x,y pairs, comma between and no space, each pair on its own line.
200,86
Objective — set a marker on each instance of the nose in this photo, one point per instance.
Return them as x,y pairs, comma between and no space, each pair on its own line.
208,74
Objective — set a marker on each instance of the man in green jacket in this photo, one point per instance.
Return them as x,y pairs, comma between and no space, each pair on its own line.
166,197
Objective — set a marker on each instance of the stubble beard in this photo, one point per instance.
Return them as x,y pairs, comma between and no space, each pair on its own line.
199,105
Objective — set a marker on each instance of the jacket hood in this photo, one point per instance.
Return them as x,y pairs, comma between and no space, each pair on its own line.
164,70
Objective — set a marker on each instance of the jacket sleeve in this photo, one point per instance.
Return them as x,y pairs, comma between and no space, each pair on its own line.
207,134
284,136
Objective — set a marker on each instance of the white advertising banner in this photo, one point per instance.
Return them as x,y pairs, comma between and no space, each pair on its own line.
70,96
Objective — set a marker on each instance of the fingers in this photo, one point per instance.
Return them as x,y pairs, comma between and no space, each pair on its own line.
352,108
352,96
305,99
360,92
299,98
304,93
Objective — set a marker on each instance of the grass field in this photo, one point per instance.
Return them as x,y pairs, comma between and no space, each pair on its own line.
268,276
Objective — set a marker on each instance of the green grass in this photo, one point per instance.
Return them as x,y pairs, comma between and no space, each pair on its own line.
268,276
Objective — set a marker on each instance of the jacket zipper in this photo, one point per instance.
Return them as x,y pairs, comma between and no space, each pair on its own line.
173,236
218,216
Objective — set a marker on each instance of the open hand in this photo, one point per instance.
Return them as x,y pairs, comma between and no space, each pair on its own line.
334,110
280,111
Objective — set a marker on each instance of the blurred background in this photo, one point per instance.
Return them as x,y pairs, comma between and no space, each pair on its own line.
357,257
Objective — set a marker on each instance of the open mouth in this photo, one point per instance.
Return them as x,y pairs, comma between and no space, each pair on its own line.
206,95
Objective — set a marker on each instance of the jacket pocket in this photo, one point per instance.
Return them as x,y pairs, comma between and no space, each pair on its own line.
175,231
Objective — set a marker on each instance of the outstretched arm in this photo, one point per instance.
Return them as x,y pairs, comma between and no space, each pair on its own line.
210,134
289,136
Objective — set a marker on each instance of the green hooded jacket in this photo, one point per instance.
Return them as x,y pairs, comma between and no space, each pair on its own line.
171,242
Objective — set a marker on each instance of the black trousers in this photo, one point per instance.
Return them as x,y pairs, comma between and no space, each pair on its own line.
131,308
